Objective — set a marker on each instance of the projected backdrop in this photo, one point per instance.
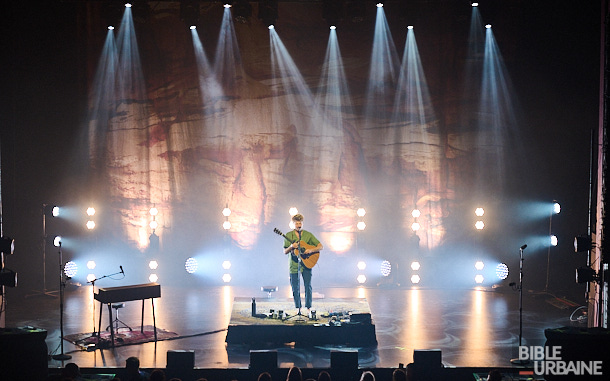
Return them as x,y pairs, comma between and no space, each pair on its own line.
233,114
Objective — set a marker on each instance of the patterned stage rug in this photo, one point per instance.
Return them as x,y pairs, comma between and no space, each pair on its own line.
122,338
336,321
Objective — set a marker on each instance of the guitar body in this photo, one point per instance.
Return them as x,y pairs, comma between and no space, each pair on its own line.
308,260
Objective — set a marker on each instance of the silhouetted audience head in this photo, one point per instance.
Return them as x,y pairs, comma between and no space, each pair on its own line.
132,367
157,375
409,371
70,372
294,374
399,375
494,375
367,376
324,376
265,376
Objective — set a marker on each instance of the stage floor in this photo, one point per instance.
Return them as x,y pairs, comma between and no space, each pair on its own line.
473,328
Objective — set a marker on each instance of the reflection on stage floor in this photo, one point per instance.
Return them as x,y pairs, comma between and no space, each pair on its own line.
472,327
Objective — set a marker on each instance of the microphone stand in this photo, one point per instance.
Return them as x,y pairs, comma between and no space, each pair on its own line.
93,293
62,285
299,315
518,361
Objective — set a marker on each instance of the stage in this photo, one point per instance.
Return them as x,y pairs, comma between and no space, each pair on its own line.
276,321
471,327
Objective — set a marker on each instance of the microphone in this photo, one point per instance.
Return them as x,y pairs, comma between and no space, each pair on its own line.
522,248
122,272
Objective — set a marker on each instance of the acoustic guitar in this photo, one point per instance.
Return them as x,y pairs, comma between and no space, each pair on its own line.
309,260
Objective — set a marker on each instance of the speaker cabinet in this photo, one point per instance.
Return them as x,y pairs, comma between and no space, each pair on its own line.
344,359
263,360
180,359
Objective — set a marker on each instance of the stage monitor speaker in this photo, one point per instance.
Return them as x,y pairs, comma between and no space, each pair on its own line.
429,358
180,359
263,360
344,359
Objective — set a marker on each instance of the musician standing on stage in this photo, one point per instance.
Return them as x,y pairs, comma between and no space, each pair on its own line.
299,235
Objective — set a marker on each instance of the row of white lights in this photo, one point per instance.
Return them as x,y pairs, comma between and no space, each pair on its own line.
191,266
332,27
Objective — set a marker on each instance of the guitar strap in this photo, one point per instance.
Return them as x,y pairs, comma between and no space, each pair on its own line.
292,255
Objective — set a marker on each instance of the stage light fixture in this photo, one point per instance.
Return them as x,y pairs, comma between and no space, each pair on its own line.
242,10
379,5
90,225
410,27
268,12
386,268
361,212
153,265
127,5
153,224
488,26
226,265
55,211
7,245
292,211
91,265
191,265
585,274
582,243
271,27
226,278
479,265
70,269
479,279
475,4
153,278
361,278
226,5
110,27
332,27
502,271
554,240
415,279
480,225
8,278
556,208
415,213
57,241
192,27
415,226
226,212
226,225
361,265
361,225
90,211
479,212
153,211
415,266
91,277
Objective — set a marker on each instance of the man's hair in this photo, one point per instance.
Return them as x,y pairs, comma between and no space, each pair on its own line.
297,217
132,362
